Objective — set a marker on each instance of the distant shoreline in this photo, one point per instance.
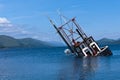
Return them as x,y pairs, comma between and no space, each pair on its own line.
11,42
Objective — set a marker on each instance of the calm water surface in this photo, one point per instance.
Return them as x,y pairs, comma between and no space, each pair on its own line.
53,64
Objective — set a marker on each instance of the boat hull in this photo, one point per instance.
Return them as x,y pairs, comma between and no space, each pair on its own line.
105,52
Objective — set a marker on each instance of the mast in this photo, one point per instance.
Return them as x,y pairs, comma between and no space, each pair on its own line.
79,30
64,38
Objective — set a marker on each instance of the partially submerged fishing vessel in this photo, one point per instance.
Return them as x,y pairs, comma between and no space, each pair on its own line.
78,42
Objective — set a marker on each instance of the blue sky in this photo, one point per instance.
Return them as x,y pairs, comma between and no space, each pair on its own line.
27,18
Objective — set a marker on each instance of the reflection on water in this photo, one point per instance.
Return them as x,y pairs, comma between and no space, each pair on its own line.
42,64
79,69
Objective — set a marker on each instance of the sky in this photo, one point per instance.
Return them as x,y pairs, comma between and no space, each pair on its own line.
27,18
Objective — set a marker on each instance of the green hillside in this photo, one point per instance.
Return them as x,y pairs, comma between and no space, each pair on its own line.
8,42
106,41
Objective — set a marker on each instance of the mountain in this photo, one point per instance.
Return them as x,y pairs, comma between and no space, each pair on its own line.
8,42
106,41
57,44
29,42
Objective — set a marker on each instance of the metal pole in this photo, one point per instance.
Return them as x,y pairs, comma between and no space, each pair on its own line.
70,47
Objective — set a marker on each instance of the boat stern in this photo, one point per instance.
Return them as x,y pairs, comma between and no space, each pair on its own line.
105,51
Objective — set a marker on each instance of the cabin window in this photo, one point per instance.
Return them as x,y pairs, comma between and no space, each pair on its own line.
90,40
82,46
88,52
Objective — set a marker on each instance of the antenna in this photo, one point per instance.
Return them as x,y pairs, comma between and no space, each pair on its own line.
62,17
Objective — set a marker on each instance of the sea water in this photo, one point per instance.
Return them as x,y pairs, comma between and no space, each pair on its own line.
53,64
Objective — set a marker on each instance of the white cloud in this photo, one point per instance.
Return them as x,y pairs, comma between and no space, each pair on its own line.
7,28
4,20
22,31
